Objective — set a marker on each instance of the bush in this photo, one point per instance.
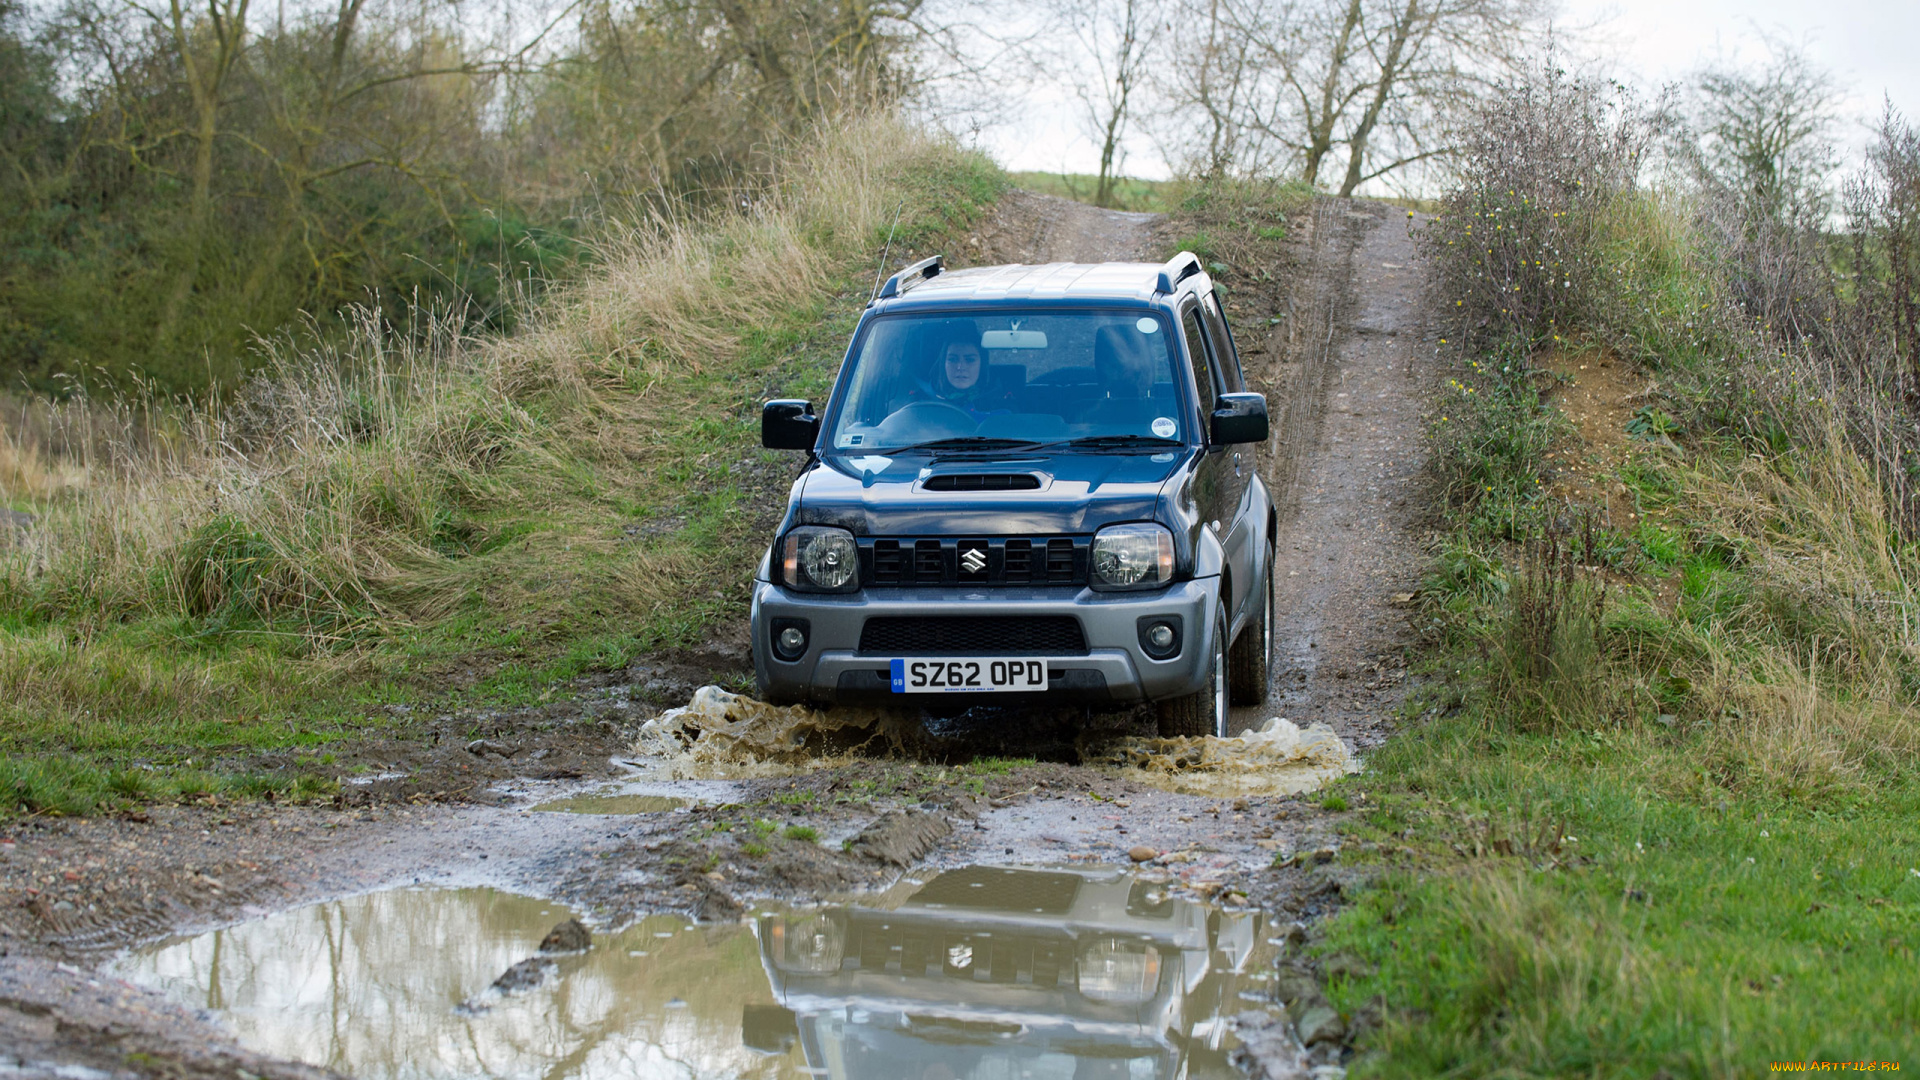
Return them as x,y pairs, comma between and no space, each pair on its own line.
1515,251
1550,668
1490,440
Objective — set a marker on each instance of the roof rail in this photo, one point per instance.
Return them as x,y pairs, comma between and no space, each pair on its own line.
911,276
1178,269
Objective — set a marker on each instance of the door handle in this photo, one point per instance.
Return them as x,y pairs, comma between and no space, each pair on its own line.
1236,464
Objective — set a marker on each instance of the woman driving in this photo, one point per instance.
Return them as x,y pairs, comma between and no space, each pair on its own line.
959,376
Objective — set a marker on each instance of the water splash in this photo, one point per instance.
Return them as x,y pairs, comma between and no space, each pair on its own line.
726,735
730,736
1277,759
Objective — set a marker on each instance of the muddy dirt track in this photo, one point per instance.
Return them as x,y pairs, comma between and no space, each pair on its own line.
1345,369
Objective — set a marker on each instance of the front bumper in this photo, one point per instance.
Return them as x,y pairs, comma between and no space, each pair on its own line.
1114,667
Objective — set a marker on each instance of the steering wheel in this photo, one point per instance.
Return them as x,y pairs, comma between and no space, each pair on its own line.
921,421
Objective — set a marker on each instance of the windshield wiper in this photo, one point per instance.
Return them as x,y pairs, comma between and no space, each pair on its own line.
969,442
1100,442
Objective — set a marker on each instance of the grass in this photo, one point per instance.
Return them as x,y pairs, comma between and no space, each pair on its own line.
995,766
1674,925
1237,228
397,509
1129,193
1652,815
1680,844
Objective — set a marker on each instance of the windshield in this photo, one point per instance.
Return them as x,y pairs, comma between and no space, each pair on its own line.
1011,378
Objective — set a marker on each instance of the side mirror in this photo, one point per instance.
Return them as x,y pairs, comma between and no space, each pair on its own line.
1239,418
788,424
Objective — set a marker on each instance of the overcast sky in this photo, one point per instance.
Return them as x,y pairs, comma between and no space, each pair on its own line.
1872,47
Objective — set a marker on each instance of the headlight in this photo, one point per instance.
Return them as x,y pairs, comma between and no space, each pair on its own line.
1138,556
1119,972
808,945
820,559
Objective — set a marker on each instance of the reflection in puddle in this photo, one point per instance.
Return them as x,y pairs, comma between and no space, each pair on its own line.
983,973
614,804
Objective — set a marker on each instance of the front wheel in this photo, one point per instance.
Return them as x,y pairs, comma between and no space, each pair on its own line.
1252,654
1203,712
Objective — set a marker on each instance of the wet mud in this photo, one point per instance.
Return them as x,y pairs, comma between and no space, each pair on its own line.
615,803
648,801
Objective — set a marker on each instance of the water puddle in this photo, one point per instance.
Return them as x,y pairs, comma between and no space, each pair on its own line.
982,973
1277,759
614,804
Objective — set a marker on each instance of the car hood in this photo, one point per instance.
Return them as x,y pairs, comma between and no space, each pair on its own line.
878,495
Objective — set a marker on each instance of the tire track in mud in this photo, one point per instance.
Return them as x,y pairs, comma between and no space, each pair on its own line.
1345,467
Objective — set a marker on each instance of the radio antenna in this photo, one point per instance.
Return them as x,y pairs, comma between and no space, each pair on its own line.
886,251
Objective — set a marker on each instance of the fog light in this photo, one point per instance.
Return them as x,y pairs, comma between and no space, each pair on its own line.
789,638
1160,636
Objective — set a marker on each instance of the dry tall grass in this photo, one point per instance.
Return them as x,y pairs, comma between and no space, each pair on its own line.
1811,669
347,484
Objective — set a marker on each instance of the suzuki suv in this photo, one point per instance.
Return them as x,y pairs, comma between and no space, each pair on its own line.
1028,483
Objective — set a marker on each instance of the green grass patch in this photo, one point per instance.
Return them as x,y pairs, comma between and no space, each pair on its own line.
1593,903
1129,193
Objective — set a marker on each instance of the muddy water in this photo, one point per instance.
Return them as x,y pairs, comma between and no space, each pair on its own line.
983,973
1276,759
720,734
613,803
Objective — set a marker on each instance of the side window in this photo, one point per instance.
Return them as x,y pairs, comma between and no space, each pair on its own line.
1224,353
1202,363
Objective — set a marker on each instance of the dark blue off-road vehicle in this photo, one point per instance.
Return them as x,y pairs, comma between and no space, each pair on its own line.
1028,480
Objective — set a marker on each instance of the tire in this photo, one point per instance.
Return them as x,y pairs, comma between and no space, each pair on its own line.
1251,659
1203,712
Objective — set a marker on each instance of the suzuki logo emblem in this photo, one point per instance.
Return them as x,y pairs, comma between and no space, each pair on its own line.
973,560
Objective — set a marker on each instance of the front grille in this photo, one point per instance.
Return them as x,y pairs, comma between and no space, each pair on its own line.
1018,560
978,635
886,944
927,564
1059,558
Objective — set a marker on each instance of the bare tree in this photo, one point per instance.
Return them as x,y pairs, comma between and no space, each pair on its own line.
1373,80
1766,131
1210,70
1111,42
208,46
1883,212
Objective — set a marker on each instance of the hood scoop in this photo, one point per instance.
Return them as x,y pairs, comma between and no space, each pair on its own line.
981,482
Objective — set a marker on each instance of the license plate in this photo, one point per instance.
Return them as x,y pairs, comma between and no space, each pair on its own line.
967,675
